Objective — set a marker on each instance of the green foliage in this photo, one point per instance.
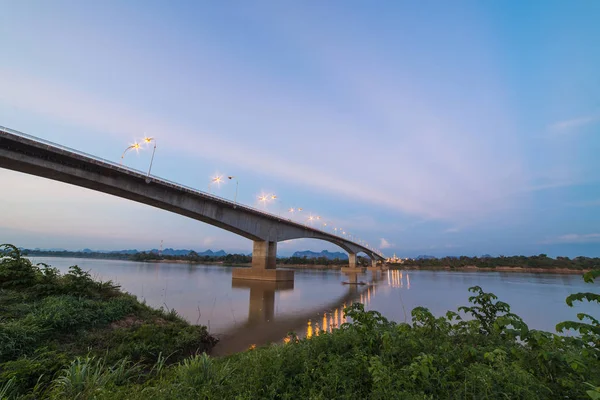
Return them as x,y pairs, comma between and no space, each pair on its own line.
15,271
69,336
493,316
492,355
87,377
588,327
7,389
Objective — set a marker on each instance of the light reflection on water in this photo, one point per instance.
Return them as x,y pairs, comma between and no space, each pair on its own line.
243,313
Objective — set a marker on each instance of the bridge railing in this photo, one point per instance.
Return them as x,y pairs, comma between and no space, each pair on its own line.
164,181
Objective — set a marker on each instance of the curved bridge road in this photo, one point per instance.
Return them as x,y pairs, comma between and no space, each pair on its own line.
28,154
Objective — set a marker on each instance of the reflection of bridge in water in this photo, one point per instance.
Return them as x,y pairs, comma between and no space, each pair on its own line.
263,326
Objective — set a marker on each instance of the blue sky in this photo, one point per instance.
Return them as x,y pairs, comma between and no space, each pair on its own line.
431,127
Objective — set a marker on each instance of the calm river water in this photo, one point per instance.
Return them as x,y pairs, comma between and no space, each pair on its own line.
242,313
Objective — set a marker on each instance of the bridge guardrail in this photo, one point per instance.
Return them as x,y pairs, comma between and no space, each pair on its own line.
167,182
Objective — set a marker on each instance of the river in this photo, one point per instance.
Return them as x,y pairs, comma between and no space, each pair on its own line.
243,313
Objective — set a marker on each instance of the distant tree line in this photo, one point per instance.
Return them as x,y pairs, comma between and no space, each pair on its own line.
192,257
539,261
242,259
75,254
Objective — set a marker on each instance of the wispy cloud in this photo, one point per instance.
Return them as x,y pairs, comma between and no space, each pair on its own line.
458,182
570,125
384,244
452,230
574,238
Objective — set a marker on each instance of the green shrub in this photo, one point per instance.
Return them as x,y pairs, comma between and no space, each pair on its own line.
15,271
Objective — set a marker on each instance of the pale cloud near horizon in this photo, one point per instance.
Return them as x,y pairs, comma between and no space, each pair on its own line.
570,125
452,230
384,244
76,108
574,238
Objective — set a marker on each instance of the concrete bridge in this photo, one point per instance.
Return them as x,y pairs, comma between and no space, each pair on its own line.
28,154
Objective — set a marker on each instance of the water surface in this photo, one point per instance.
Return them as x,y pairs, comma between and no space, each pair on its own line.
253,312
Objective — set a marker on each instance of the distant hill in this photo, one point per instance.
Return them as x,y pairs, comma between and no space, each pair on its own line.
122,251
329,255
424,257
166,252
183,252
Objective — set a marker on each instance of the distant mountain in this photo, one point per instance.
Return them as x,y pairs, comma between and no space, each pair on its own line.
184,252
486,256
424,257
166,252
324,253
133,251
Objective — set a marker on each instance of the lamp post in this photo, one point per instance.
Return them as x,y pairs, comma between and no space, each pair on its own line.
236,189
135,146
148,140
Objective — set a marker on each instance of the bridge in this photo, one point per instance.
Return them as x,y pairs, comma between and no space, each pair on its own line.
31,155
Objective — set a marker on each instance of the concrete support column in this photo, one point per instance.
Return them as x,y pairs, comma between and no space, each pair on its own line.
264,263
373,263
352,260
264,255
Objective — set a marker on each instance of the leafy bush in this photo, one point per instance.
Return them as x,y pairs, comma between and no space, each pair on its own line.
15,271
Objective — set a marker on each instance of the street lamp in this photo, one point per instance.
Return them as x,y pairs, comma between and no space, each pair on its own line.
217,179
135,146
236,188
265,198
147,140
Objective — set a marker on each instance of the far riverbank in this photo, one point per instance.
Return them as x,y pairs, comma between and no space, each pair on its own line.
561,266
398,266
494,269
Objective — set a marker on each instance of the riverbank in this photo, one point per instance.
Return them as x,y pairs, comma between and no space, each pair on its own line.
292,266
491,356
320,267
49,321
493,269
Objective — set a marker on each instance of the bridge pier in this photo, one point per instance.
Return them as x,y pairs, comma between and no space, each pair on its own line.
352,260
352,264
374,266
264,262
